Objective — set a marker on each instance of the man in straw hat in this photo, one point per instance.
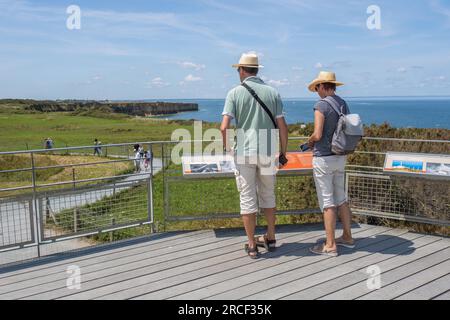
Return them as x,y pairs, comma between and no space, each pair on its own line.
256,147
329,168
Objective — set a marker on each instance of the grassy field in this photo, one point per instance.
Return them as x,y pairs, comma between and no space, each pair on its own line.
65,173
22,131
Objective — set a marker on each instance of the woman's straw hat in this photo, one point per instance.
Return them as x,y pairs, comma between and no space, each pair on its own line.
249,60
324,77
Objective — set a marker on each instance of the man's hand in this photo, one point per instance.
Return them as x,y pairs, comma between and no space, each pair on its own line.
282,159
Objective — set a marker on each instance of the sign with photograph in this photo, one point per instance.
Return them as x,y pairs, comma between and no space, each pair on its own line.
423,164
223,165
205,166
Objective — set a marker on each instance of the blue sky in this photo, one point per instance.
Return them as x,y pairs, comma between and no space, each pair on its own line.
159,49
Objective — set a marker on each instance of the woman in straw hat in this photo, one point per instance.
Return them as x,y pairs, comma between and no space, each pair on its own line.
329,168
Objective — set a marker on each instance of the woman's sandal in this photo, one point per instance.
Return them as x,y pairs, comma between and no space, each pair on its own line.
269,245
320,249
252,252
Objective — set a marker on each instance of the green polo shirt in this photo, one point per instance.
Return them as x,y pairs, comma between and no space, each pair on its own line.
255,135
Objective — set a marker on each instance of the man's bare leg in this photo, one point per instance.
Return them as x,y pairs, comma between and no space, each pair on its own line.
271,220
329,218
250,225
345,215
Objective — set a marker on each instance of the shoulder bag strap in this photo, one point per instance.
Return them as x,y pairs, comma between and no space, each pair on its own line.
261,103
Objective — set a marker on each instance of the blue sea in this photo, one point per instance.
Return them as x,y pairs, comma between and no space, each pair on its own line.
417,112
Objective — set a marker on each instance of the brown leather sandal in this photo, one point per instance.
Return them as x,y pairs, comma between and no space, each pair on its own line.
269,245
253,253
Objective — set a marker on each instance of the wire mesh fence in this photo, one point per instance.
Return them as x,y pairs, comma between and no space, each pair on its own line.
69,213
371,192
16,223
402,198
54,201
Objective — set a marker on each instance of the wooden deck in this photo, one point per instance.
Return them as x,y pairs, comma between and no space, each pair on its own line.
211,264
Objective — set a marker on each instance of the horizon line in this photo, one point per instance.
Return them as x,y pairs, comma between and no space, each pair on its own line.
222,98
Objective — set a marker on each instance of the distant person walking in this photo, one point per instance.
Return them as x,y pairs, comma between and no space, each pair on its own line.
328,168
256,147
48,144
97,147
147,159
137,158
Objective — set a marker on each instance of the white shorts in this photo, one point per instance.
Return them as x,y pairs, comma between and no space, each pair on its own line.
329,176
256,188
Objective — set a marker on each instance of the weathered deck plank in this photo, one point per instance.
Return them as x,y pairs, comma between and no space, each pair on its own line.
212,265
150,283
242,285
428,291
316,264
157,266
420,272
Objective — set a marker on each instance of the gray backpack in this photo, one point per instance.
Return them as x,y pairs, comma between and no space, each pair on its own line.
349,130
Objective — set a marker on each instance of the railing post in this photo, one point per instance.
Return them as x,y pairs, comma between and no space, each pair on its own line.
47,208
36,209
165,188
75,220
73,177
111,233
150,191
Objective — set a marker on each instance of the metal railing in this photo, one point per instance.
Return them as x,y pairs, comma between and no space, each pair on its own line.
371,192
57,200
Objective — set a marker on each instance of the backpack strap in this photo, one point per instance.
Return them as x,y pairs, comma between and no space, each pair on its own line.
261,103
334,104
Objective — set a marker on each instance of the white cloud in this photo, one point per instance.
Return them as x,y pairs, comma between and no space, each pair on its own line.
402,70
157,82
295,68
278,83
318,65
93,79
189,65
191,78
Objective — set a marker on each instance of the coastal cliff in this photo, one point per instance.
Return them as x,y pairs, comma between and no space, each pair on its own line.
152,108
131,108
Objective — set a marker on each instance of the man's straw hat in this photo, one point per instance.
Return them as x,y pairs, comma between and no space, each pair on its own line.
249,60
324,77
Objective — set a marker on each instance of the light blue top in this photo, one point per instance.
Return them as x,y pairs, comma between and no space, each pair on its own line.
253,124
